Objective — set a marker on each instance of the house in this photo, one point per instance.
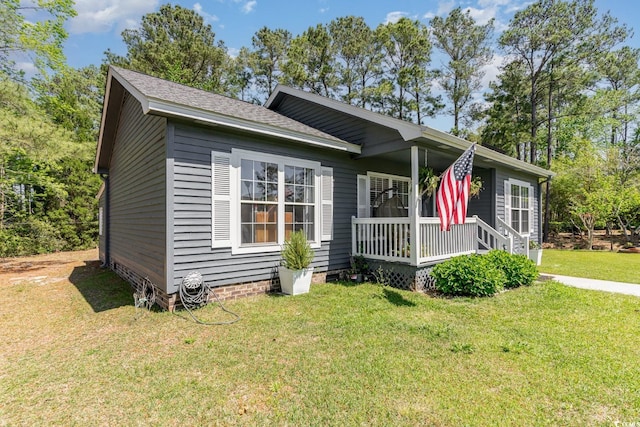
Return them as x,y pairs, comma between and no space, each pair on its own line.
194,181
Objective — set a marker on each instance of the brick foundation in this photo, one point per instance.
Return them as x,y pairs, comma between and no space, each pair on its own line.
228,292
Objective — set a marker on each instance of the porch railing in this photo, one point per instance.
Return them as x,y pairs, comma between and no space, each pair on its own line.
519,243
436,245
387,239
489,238
381,238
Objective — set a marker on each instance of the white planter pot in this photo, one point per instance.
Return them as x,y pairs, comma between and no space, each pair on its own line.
535,255
295,282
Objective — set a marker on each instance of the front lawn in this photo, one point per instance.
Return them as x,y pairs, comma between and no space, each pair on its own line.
616,266
75,354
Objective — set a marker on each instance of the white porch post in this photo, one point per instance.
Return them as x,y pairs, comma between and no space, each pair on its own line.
414,225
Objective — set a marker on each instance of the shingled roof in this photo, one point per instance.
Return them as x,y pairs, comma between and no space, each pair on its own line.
154,88
165,98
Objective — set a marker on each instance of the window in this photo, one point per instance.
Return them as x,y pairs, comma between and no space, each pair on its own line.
299,202
267,198
375,189
258,202
519,205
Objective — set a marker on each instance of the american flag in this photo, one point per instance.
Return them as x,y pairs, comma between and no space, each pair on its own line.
453,194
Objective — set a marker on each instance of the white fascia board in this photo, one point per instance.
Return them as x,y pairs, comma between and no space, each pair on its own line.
165,108
113,74
408,131
100,191
484,152
107,92
144,101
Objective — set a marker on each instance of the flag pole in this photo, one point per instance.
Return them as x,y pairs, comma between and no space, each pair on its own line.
456,179
453,211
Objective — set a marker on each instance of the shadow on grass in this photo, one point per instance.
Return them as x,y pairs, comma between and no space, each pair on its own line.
347,283
100,287
18,266
396,298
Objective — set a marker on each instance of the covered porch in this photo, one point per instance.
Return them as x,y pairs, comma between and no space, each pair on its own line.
416,240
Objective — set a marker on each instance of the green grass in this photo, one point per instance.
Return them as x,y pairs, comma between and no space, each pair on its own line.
341,355
616,266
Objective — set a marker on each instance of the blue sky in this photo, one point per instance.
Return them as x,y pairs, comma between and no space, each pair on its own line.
100,22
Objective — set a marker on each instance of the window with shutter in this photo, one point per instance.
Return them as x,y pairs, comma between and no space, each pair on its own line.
375,189
364,206
327,203
273,196
221,200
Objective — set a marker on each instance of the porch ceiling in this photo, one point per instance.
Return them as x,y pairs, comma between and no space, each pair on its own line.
437,158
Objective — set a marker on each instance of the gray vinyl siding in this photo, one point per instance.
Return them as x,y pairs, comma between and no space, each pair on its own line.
192,251
484,205
501,176
137,175
344,126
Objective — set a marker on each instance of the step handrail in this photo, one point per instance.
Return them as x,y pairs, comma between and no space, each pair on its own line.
514,234
501,242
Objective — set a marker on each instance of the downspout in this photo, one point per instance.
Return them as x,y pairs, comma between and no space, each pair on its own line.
105,220
543,235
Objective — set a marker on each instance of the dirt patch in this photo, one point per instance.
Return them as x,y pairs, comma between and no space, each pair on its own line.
601,241
44,269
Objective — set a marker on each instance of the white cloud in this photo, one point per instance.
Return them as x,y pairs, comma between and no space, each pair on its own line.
323,10
233,52
197,7
249,6
492,70
444,7
101,16
482,16
28,67
393,17
491,3
517,7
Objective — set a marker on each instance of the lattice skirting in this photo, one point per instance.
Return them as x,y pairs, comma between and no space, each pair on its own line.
402,276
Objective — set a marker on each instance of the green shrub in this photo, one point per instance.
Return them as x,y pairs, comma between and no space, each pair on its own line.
297,253
518,269
468,275
28,237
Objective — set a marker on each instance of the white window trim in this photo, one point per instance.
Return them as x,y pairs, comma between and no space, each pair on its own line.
100,221
237,155
507,216
367,196
388,177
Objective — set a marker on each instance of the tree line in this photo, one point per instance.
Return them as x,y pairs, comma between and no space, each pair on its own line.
566,98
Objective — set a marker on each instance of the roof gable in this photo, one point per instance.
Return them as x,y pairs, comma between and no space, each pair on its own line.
308,107
169,99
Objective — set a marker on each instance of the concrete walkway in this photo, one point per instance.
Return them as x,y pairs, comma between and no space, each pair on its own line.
598,285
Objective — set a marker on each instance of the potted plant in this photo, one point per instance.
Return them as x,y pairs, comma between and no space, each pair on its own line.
535,252
295,273
428,181
359,267
476,187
